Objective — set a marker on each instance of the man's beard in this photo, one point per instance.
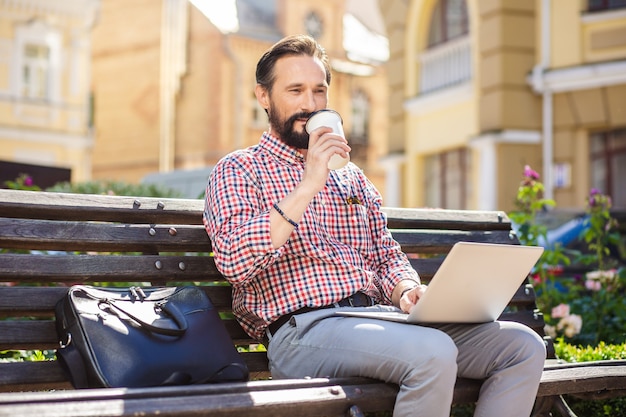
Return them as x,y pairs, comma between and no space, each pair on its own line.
284,129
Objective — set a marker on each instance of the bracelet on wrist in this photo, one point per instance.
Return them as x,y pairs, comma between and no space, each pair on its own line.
404,291
282,213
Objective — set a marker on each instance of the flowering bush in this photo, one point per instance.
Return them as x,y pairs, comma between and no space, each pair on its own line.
529,202
601,293
569,324
550,292
601,231
582,310
23,182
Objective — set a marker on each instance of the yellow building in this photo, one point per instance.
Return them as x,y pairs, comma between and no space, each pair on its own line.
480,88
174,82
45,84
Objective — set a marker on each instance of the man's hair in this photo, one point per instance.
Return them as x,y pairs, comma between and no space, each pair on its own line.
289,46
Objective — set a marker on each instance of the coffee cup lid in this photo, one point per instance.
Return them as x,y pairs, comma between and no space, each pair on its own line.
321,111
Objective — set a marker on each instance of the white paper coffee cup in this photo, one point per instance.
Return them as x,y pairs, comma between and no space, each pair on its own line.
331,119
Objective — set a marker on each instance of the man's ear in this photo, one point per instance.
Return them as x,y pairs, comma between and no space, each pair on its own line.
262,96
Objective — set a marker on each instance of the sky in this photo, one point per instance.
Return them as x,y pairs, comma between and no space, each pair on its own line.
222,13
361,43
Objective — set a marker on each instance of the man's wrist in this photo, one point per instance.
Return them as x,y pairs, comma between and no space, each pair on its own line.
407,289
402,287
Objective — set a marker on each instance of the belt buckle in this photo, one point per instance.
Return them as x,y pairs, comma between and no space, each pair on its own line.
360,299
351,301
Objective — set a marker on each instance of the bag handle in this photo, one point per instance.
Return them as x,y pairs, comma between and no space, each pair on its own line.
168,308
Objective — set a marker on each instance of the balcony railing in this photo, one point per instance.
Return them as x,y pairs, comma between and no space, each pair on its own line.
35,112
446,65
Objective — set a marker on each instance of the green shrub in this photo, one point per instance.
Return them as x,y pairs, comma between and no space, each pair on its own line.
23,182
613,407
603,351
115,188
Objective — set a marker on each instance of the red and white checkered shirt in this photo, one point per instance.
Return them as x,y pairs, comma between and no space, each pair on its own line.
342,244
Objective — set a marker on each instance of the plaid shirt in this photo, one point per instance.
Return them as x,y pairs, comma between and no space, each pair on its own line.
342,244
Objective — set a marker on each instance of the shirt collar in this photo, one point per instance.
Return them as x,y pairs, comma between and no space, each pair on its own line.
280,150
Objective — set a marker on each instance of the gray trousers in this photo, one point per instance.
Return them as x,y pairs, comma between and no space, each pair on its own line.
423,361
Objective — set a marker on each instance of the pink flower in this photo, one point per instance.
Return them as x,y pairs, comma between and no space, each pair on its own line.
601,277
555,269
530,173
593,285
536,279
570,325
562,310
550,331
28,181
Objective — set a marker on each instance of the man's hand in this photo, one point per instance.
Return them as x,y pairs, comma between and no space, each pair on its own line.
323,144
411,297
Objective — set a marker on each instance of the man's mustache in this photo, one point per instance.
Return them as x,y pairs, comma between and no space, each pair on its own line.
295,117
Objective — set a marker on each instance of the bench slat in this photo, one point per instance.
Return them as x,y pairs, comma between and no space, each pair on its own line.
76,236
32,375
287,400
179,390
41,334
106,237
402,218
117,268
40,301
103,237
50,374
27,335
590,378
68,206
437,242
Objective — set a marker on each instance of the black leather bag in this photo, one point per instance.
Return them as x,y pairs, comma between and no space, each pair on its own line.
140,337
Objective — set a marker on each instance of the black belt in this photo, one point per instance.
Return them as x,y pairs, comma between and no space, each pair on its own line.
358,299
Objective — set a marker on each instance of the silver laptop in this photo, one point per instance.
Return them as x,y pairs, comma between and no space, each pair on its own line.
474,284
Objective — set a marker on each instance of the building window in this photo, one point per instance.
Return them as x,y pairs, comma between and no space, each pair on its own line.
600,5
447,181
608,164
360,115
36,71
314,25
359,128
448,21
259,116
36,68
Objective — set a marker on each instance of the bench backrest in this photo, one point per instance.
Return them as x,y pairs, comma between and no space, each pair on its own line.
49,241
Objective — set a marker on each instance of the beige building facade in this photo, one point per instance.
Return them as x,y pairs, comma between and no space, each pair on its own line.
480,88
45,86
110,90
174,89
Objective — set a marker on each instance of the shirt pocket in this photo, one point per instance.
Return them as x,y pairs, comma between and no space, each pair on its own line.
352,226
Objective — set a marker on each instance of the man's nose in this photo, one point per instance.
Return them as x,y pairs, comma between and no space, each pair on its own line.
308,102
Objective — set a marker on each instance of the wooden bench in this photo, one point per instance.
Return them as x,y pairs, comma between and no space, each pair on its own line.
49,241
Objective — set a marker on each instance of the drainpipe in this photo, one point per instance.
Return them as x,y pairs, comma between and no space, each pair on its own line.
238,93
548,147
172,68
165,104
547,102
